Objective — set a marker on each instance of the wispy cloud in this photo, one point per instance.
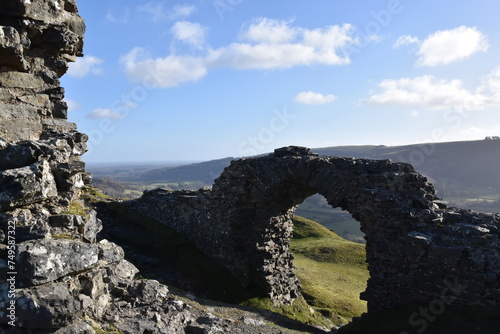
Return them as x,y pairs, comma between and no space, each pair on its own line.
446,46
182,11
405,40
85,66
432,93
313,98
121,17
265,44
105,113
191,33
160,11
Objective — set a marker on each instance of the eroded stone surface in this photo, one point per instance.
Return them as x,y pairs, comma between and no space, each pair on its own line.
44,261
415,245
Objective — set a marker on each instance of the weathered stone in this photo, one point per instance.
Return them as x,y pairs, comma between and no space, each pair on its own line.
91,227
60,282
110,252
6,95
26,185
38,229
48,306
20,129
81,327
25,112
21,80
11,50
87,226
92,284
414,242
37,100
23,154
67,222
148,291
47,260
58,125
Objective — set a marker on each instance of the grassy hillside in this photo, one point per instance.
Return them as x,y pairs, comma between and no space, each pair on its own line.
332,270
204,172
317,208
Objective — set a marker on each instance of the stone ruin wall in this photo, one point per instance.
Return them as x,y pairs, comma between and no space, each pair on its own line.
55,276
37,39
416,246
418,249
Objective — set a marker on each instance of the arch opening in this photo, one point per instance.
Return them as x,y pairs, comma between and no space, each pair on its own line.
332,271
341,222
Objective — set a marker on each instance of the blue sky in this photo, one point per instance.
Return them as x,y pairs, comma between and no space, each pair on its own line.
200,80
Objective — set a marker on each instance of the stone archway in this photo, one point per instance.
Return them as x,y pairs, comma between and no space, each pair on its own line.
416,246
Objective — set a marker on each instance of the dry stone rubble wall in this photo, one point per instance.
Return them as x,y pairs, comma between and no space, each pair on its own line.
416,246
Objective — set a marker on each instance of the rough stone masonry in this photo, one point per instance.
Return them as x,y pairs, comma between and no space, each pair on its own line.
55,275
417,248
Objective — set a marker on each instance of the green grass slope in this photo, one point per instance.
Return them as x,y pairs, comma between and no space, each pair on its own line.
332,270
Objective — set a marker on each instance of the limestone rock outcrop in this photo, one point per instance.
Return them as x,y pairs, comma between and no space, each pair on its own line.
56,275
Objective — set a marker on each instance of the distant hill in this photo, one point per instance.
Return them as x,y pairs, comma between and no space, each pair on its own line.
205,172
464,173
476,163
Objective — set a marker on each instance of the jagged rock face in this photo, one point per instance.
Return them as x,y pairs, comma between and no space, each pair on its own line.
416,246
37,38
56,277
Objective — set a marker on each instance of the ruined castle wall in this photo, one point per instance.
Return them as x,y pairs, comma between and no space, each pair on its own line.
54,274
416,247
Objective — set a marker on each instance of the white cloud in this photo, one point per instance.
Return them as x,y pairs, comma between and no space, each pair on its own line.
121,18
273,44
425,91
271,31
474,132
405,40
490,86
446,46
85,66
268,44
158,13
313,98
190,33
182,11
105,113
165,72
432,93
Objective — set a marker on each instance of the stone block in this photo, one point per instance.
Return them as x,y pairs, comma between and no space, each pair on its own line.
50,306
37,100
15,130
11,50
58,125
21,80
44,261
110,252
19,112
26,185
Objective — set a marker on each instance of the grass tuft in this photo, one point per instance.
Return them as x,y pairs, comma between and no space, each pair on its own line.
76,208
300,311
